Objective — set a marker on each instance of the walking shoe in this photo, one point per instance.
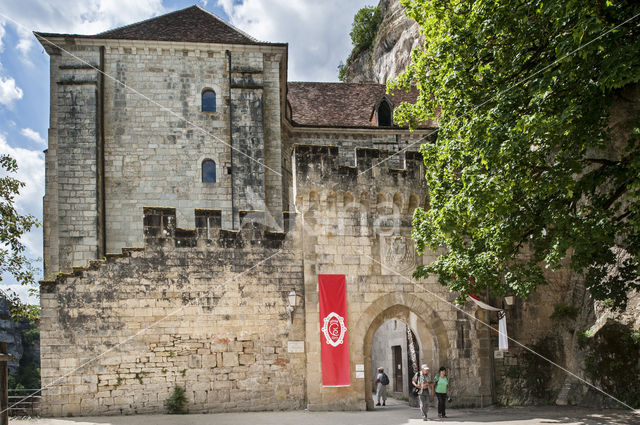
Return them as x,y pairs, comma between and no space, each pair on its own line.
377,404
384,403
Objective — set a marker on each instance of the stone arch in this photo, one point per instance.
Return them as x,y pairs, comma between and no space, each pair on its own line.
413,203
313,201
364,200
331,201
398,203
347,198
384,112
428,328
382,204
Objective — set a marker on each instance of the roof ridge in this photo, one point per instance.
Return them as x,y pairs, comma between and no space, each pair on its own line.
227,24
139,22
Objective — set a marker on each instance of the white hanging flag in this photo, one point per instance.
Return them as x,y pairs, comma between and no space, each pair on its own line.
503,339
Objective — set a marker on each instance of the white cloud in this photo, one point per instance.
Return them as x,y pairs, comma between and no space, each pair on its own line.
25,42
29,201
2,33
33,135
317,31
9,91
8,284
74,16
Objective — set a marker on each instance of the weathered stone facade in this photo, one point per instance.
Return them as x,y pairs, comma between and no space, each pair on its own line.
206,314
125,148
156,279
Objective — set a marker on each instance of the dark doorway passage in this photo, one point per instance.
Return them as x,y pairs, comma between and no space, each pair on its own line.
397,368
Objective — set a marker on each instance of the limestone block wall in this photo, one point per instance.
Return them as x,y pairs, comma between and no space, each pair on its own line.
356,221
209,314
136,136
71,200
155,144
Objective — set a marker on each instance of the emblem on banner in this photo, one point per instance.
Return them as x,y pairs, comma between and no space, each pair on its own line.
334,329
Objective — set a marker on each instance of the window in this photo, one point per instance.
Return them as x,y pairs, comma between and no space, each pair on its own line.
208,171
207,222
384,114
208,101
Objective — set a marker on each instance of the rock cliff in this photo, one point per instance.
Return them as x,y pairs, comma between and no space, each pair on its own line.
22,342
570,328
391,52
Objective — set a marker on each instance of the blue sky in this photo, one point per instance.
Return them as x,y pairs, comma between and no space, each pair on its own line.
317,32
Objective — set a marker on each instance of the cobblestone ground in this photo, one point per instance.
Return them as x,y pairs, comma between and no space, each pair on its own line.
395,413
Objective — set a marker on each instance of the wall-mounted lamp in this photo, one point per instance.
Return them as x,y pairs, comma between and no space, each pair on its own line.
293,303
509,300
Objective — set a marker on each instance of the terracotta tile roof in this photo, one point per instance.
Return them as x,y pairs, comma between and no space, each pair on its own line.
341,104
193,24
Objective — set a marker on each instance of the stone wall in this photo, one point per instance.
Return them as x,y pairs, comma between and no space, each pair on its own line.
154,148
356,221
208,313
71,236
114,149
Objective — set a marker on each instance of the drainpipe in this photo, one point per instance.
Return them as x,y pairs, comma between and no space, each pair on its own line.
100,189
233,210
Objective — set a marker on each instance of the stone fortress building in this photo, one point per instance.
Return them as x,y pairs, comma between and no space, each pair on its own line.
193,195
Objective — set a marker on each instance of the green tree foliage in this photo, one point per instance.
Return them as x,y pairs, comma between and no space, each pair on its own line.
525,173
12,227
364,30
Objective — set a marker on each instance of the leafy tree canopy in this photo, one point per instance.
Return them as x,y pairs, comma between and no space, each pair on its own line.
365,28
528,170
12,227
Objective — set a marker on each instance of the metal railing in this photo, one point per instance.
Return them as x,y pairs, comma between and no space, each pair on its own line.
24,402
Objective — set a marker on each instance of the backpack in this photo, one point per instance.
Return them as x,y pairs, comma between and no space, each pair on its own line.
384,380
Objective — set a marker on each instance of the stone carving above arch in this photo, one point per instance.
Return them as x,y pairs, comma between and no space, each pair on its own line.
397,254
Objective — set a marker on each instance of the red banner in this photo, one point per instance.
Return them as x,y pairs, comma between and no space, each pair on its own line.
334,339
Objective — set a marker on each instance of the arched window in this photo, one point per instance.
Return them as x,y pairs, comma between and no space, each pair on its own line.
208,101
384,114
208,171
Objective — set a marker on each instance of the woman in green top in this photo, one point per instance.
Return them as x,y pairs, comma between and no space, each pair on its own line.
441,391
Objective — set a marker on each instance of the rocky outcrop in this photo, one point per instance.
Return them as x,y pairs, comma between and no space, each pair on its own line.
560,322
13,333
391,52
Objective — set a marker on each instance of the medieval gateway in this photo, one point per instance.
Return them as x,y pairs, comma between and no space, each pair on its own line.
194,195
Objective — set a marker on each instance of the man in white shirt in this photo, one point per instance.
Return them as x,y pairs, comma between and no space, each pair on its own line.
422,381
381,389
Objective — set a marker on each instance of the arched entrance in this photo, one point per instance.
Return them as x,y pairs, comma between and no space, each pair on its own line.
421,319
395,347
